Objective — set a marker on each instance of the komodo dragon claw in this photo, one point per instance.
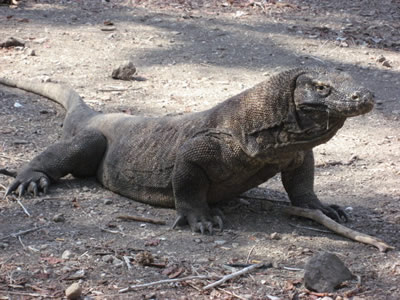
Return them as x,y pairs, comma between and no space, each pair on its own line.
29,181
200,224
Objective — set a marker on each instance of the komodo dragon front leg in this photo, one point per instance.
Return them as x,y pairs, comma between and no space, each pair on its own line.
299,184
200,164
79,155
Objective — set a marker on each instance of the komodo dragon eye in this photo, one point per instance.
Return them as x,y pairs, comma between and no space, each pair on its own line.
322,89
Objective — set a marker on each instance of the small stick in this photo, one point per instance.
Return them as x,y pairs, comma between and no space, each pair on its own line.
22,232
319,217
310,228
231,293
20,240
248,255
23,208
132,287
127,262
141,219
233,275
112,231
292,269
21,293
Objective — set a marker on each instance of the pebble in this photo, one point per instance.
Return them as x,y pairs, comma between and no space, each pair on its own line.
59,218
12,42
74,291
386,64
275,236
125,71
107,258
66,254
220,242
31,52
107,201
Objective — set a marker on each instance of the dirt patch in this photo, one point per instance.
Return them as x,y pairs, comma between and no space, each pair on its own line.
194,54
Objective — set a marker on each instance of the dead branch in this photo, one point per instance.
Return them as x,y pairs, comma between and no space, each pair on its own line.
233,275
23,208
320,218
132,287
22,232
141,219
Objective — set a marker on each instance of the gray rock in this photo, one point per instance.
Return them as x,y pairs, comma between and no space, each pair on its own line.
124,71
324,272
12,42
74,291
59,218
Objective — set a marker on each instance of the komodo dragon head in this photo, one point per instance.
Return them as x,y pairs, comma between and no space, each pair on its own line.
323,99
335,93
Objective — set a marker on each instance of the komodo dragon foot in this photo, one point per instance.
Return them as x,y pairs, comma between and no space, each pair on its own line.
200,222
29,181
335,212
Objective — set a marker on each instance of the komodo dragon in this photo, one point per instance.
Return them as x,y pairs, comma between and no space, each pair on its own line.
195,160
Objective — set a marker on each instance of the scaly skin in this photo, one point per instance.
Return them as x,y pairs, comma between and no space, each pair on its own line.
193,161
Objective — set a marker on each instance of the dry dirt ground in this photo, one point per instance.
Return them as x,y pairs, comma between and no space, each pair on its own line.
194,55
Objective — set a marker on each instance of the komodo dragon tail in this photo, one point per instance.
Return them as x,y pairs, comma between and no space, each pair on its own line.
59,93
78,112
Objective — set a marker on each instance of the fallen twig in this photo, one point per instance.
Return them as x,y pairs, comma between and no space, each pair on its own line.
310,228
22,232
21,293
233,275
141,219
23,208
127,262
231,293
132,287
248,255
319,217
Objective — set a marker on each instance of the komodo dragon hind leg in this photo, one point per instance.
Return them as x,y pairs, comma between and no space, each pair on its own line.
79,155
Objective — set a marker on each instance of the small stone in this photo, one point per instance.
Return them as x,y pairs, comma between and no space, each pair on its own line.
59,218
3,245
198,241
41,40
324,272
235,245
275,236
31,52
386,64
66,255
107,201
124,72
43,247
117,262
74,291
108,258
12,42
220,242
381,59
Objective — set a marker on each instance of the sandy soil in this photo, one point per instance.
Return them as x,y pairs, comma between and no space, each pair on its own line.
194,55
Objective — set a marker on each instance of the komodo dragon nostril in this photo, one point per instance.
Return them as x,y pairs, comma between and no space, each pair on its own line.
355,96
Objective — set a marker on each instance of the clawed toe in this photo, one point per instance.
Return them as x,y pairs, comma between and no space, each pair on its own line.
199,223
29,182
